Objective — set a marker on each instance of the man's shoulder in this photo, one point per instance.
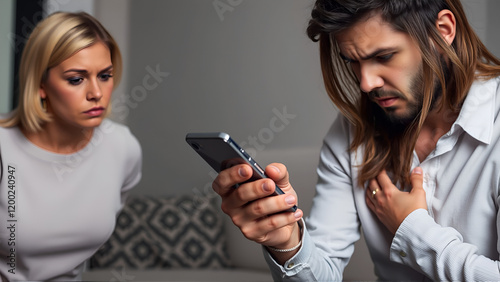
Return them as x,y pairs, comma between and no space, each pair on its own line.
340,128
339,136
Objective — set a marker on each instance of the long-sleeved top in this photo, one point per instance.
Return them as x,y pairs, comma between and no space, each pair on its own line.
456,239
56,210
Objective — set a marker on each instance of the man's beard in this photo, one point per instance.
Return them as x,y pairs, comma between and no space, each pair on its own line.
387,120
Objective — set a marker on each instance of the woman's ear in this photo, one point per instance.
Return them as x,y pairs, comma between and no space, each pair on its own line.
446,25
41,91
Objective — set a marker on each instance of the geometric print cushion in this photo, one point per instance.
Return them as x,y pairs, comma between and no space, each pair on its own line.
165,232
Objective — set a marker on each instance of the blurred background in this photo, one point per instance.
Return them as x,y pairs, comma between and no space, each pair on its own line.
245,67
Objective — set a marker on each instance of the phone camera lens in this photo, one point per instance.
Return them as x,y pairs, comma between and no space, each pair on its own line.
196,146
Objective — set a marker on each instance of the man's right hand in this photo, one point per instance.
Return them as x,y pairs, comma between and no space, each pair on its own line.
260,218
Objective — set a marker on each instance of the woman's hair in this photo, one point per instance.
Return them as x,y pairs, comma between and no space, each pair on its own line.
468,59
54,40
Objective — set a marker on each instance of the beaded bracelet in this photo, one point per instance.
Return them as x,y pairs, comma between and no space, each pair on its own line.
286,250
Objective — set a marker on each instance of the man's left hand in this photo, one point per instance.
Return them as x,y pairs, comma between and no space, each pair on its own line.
390,204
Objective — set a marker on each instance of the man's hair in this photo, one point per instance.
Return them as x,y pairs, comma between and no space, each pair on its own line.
54,40
468,60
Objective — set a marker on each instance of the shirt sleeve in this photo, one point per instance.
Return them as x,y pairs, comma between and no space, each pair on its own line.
440,252
333,225
133,165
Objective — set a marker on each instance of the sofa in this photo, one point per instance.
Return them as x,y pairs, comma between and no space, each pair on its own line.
169,238
186,237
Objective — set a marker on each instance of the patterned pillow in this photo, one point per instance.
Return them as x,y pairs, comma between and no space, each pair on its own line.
169,232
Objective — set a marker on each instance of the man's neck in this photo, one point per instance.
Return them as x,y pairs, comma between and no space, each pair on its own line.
437,124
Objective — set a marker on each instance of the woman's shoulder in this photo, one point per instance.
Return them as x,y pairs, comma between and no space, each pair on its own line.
6,127
116,135
114,130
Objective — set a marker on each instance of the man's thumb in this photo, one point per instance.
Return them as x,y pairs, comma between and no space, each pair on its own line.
417,178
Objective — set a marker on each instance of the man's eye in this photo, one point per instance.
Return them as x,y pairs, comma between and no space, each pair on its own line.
385,58
346,59
75,80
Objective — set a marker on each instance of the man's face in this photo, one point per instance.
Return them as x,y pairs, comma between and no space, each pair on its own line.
388,65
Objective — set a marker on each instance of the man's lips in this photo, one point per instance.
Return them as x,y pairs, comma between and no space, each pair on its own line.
386,101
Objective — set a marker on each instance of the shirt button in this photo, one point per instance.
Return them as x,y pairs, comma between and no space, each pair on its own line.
291,265
402,254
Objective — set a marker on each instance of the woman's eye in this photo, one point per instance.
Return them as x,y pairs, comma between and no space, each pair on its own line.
75,80
105,76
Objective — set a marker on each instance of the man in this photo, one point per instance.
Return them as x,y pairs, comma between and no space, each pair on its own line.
414,160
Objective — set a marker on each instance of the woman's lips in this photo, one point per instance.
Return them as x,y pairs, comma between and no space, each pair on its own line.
94,112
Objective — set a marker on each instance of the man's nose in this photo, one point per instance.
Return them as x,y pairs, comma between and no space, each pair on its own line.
370,78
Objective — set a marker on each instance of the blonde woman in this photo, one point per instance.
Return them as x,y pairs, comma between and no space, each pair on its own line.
66,168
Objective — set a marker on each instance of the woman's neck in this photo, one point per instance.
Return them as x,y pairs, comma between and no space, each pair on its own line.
60,139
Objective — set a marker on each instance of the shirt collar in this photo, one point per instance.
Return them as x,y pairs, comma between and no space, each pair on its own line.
478,111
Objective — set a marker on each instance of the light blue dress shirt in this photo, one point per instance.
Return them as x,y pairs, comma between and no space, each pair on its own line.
457,239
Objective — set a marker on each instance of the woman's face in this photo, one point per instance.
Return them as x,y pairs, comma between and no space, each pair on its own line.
78,90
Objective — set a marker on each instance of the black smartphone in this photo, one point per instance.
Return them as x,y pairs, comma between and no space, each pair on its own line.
220,151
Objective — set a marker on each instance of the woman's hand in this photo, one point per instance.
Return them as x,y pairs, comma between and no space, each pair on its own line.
260,218
390,204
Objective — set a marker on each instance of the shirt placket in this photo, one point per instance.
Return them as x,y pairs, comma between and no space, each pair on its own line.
429,168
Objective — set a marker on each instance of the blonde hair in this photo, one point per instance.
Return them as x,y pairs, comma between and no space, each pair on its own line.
54,40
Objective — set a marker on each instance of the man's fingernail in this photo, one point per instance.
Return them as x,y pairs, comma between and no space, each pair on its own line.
297,214
290,199
266,187
243,172
275,168
418,170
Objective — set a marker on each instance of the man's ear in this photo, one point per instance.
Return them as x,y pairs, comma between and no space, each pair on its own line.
447,25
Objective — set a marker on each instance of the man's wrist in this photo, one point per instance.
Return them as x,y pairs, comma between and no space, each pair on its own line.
294,243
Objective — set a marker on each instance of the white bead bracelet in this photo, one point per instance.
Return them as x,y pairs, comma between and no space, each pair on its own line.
286,250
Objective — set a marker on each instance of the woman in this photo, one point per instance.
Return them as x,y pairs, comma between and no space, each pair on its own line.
66,169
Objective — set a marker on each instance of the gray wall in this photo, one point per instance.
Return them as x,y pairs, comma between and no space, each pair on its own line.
493,35
6,55
229,71
220,72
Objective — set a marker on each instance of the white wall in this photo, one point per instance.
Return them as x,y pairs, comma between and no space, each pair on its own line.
6,53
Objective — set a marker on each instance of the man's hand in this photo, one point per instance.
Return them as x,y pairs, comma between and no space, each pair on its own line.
391,205
260,217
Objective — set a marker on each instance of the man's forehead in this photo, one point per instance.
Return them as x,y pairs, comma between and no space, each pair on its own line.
368,34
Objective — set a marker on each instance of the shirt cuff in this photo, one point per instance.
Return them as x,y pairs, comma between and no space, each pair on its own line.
295,264
401,249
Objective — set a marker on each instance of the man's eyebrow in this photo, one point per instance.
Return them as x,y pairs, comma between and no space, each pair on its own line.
369,56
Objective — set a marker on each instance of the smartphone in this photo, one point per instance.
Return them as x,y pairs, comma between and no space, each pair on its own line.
220,151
